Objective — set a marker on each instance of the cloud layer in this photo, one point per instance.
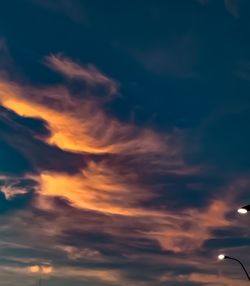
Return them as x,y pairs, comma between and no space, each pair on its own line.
101,200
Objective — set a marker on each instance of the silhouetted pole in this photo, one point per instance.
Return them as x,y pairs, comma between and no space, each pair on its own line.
222,257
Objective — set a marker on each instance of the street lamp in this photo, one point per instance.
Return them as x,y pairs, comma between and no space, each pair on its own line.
244,210
222,257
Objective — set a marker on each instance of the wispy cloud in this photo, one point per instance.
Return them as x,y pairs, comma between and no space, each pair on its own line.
90,74
116,205
78,125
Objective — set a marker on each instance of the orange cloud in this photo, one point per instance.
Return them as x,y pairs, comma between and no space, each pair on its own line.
34,268
81,126
46,269
78,125
182,232
190,229
98,190
104,275
207,279
90,74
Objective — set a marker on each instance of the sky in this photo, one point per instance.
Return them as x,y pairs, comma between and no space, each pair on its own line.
124,142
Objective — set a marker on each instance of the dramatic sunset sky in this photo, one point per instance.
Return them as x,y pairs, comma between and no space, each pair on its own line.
124,142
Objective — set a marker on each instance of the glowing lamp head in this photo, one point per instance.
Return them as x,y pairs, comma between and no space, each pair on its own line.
221,256
242,211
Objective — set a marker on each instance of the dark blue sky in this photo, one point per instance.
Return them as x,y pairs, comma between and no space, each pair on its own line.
124,139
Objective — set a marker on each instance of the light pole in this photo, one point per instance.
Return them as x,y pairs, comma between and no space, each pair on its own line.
222,257
244,210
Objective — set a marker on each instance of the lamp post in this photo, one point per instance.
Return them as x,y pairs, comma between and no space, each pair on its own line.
244,210
222,257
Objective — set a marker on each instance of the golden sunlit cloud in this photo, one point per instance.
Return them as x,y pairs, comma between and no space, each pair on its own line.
82,126
79,125
97,188
46,269
197,225
34,268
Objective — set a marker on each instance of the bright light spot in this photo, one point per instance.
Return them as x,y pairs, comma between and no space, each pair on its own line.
242,211
47,269
34,268
221,256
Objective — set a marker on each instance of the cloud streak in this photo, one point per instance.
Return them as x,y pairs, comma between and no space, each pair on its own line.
99,215
89,74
